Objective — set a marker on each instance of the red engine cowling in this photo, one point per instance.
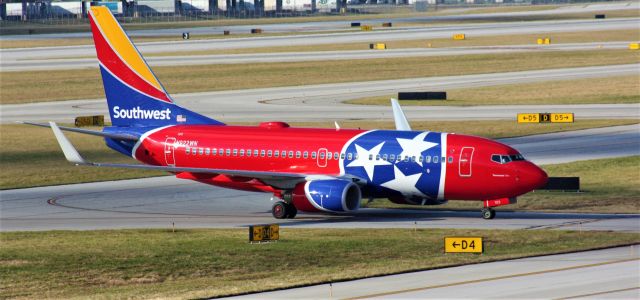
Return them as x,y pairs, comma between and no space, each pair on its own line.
327,195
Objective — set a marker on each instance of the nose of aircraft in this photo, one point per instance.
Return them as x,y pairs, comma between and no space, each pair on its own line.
532,177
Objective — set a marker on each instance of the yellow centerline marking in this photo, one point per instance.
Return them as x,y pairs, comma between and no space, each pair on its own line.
491,279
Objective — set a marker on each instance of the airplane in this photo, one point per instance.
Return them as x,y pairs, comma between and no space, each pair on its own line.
305,169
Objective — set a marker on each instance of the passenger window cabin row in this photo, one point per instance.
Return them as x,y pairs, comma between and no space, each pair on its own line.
306,155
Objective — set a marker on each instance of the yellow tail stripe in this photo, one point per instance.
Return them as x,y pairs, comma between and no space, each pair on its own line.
121,44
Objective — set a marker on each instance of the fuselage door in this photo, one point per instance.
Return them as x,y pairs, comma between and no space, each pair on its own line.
466,160
322,157
169,151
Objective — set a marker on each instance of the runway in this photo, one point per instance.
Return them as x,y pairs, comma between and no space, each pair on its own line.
602,274
441,31
159,202
82,63
323,102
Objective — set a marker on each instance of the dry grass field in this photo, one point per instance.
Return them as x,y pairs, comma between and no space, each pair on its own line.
202,263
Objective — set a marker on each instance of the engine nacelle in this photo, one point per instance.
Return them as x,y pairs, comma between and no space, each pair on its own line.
327,195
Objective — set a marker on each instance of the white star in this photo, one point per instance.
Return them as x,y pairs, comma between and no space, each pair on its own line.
415,146
404,184
362,159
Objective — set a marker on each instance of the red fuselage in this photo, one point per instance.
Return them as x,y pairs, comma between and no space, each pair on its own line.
466,166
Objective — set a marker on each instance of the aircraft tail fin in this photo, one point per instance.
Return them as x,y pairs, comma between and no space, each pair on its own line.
134,94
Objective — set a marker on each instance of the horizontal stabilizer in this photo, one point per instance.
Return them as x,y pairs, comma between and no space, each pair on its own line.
115,136
69,151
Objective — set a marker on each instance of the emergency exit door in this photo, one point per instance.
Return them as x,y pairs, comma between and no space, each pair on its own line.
169,151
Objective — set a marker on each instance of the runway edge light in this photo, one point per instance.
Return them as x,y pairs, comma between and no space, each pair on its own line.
463,245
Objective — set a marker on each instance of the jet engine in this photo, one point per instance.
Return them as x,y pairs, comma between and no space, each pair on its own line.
327,195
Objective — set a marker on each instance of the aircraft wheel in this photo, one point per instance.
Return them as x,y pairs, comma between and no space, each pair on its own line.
488,213
292,211
279,210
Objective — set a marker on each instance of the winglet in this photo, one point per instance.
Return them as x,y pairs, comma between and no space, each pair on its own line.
399,117
69,151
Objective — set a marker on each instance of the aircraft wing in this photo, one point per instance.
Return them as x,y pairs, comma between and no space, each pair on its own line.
117,136
72,155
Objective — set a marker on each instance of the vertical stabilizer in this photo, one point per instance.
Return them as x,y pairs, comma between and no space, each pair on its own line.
134,94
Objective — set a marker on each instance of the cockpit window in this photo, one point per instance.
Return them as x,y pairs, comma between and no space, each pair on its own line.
516,157
504,159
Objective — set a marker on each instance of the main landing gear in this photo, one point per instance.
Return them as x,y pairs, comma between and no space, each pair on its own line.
283,210
488,213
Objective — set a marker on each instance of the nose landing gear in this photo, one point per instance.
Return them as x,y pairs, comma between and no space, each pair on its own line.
283,210
488,213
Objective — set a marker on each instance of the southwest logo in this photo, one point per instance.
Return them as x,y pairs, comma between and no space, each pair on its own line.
143,114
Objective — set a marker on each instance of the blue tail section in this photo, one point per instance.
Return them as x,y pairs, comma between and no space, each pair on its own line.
129,107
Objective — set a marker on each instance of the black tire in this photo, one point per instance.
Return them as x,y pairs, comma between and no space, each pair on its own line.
279,210
488,213
292,211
